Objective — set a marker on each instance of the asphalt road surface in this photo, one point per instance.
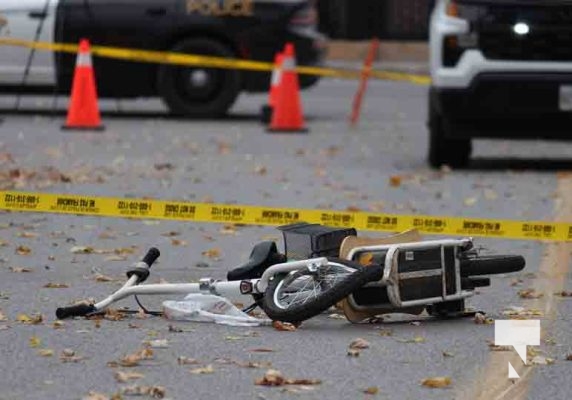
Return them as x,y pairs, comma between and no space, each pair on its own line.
142,154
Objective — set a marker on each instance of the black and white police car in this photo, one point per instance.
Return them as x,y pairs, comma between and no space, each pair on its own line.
245,29
500,69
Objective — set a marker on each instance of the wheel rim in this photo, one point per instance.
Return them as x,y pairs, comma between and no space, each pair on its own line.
199,85
299,287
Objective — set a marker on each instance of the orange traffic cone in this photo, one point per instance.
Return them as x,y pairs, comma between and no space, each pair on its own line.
83,111
288,114
267,109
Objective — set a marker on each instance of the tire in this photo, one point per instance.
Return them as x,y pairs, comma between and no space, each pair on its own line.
196,91
352,279
490,265
443,150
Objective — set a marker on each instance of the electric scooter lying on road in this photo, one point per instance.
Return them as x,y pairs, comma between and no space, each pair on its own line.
324,266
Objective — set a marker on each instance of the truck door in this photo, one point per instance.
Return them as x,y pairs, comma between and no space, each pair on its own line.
21,19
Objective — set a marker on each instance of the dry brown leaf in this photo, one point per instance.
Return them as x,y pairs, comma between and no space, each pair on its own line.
228,229
156,392
23,250
371,390
171,234
470,201
157,343
365,258
46,352
564,294
448,354
103,278
482,319
529,294
81,250
115,257
30,320
386,332
541,360
178,242
132,360
395,180
27,235
353,353
125,376
569,357
95,396
359,344
3,316
353,209
213,253
52,285
34,342
273,377
203,370
261,350
111,314
437,382
494,347
416,339
187,361
20,269
283,326
260,170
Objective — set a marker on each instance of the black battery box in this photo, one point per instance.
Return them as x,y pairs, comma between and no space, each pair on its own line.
303,240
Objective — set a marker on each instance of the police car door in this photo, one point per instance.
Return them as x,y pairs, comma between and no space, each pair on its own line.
21,19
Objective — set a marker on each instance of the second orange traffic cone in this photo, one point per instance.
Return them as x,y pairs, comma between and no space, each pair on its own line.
287,115
83,111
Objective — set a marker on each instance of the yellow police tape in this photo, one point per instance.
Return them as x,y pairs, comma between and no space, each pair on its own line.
162,57
143,208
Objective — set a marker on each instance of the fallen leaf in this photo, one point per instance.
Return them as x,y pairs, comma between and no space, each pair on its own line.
103,278
359,344
416,339
564,294
132,360
34,342
81,250
203,370
353,353
273,377
2,316
20,269
46,352
115,257
371,390
490,194
448,354
213,253
156,392
176,329
111,314
95,396
470,201
365,258
33,320
125,376
51,285
494,347
260,170
529,294
385,332
541,360
228,229
569,357
336,316
158,343
395,180
171,233
283,326
261,350
27,235
23,250
482,319
68,355
187,361
437,382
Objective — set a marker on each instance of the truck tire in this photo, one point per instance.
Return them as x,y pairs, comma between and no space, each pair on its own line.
444,150
197,91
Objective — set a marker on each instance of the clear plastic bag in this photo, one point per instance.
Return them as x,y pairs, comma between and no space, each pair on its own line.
209,308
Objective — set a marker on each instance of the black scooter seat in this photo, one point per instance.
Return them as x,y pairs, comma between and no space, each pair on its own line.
263,255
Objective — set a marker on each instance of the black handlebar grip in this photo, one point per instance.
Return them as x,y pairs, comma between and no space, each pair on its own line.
81,310
151,256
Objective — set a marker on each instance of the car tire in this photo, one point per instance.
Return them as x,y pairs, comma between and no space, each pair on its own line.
196,91
444,150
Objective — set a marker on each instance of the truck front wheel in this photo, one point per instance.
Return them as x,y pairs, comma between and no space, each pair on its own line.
197,91
442,149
